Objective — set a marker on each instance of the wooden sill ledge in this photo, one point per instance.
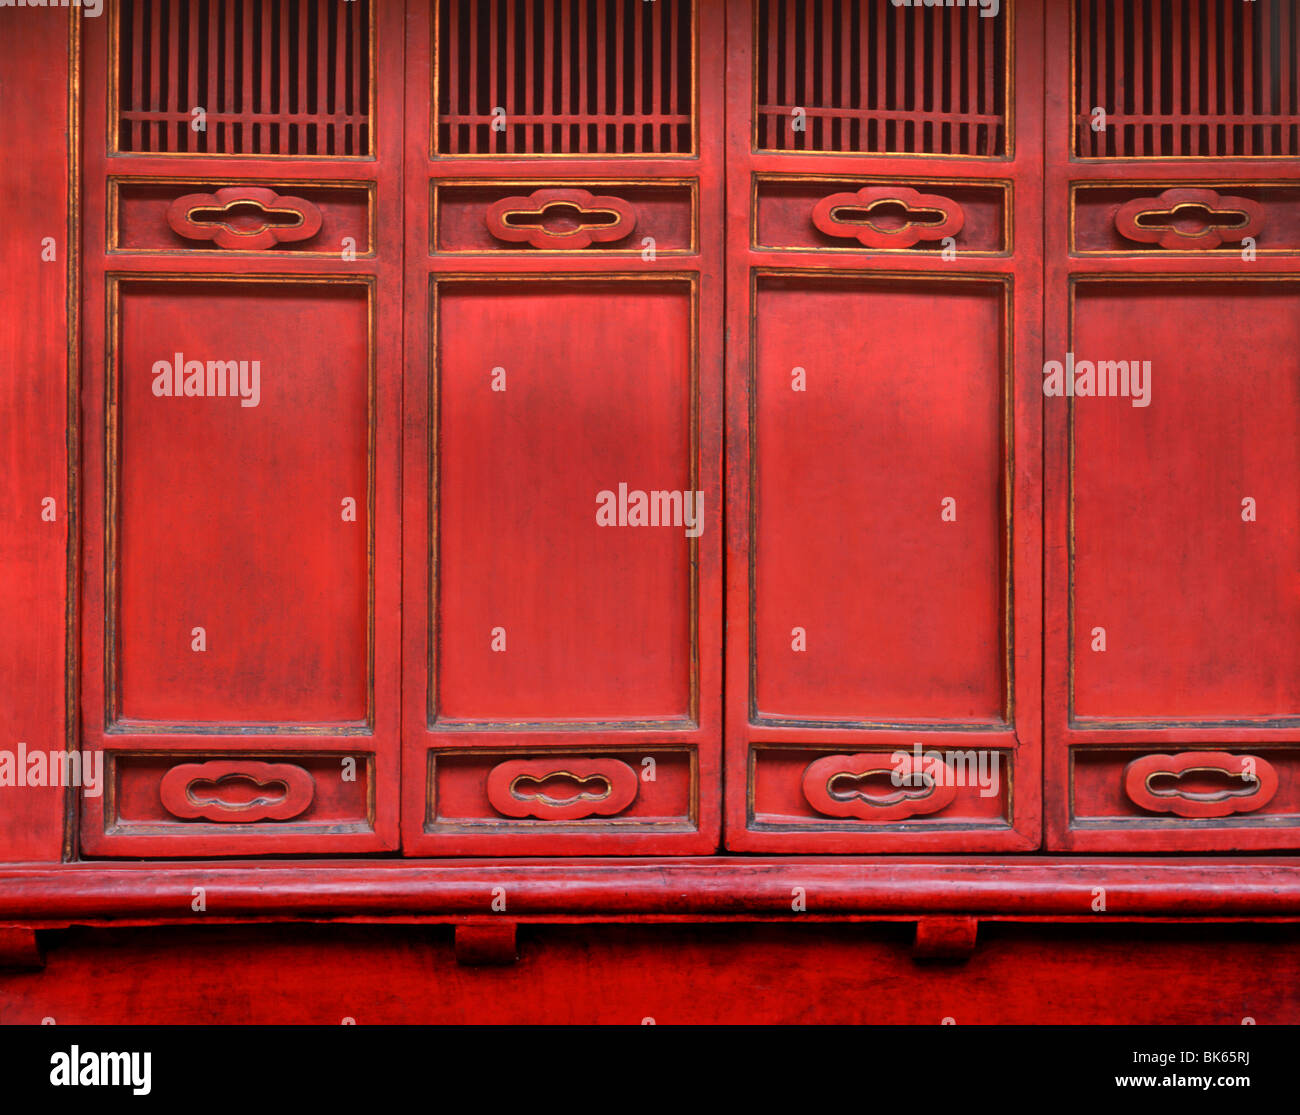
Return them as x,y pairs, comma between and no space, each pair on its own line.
719,888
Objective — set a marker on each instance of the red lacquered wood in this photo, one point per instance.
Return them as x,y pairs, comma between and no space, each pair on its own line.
612,365
945,938
38,334
1257,776
280,791
309,678
562,790
1157,220
835,786
493,942
517,219
20,949
894,660
707,888
672,975
851,215
1124,537
207,217
1199,674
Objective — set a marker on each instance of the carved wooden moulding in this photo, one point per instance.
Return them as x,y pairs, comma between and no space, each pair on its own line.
1182,784
238,791
244,218
888,216
878,786
561,789
561,219
1189,219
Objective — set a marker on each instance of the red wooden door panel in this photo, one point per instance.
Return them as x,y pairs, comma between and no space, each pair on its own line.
241,395
248,546
602,627
847,494
562,489
883,408
1172,693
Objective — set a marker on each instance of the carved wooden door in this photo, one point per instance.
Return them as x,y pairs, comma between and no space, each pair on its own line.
541,291
563,496
241,426
1173,215
408,455
883,421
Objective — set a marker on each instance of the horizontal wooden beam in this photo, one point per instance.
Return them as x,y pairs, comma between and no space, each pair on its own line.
703,889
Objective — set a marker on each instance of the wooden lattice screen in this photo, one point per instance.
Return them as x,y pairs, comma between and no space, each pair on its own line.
1187,77
272,77
564,77
864,75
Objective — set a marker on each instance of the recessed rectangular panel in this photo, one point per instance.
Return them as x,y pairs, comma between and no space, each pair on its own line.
879,569
902,789
560,791
1186,506
563,406
227,794
1218,216
242,504
922,215
1177,797
232,221
1171,785
598,217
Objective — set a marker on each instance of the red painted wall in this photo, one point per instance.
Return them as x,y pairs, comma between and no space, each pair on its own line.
741,974
33,414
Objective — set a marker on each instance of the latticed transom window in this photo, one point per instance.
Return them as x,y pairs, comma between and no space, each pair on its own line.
858,75
1162,78
244,77
559,77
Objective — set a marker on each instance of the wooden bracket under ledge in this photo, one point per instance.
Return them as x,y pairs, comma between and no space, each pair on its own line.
945,938
487,942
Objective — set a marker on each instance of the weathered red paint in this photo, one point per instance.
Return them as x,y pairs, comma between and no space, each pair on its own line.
1146,536
859,615
366,646
673,974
